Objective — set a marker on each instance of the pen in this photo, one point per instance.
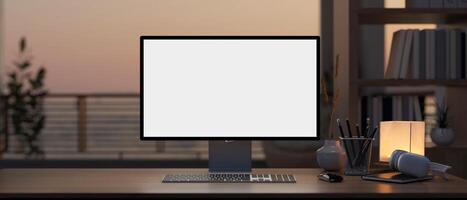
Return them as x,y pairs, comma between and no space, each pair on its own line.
359,134
352,145
374,133
366,146
340,128
348,128
344,143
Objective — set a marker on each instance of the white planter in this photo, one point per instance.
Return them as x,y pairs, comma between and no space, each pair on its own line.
442,136
331,157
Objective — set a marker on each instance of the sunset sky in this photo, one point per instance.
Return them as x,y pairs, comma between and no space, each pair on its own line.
93,45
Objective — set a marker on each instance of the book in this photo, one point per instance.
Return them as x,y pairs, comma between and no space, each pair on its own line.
406,53
421,101
450,3
440,54
377,110
436,3
415,58
448,54
460,55
406,108
417,3
421,52
387,108
418,116
395,57
377,116
430,54
412,108
463,55
455,54
397,108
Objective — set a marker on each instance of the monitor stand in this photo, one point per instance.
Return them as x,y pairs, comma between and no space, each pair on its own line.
230,156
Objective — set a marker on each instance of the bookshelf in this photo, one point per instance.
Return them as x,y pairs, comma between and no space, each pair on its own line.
410,82
358,16
350,22
411,15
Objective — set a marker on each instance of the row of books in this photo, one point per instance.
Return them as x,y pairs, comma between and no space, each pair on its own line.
390,108
436,3
428,54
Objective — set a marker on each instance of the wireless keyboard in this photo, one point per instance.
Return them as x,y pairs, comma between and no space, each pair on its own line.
229,178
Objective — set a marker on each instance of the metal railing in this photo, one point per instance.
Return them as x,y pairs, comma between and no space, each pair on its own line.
100,126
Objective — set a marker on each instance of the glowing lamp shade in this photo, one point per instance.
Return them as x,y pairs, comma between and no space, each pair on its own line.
404,135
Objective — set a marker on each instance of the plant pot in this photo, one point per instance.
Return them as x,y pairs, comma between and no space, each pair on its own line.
331,156
442,136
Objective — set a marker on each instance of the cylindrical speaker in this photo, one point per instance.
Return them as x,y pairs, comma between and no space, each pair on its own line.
409,163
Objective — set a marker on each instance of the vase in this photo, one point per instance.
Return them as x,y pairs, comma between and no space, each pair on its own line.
331,156
442,136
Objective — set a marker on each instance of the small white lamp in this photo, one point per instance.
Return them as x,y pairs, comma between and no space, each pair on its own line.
404,135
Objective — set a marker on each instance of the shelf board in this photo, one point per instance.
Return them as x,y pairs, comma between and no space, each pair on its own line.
412,15
410,82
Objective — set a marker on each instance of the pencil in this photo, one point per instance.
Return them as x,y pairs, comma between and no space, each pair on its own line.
347,122
374,133
352,145
359,134
366,146
344,143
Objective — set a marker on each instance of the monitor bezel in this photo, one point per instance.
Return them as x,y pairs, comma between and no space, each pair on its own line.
143,38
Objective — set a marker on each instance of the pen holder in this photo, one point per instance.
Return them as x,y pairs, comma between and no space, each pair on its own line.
358,151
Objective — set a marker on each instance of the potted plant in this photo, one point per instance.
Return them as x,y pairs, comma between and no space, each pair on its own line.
442,135
330,156
25,92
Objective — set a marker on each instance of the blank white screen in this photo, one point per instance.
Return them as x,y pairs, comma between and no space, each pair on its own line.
230,88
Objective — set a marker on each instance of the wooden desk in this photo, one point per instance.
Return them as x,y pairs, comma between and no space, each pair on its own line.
46,183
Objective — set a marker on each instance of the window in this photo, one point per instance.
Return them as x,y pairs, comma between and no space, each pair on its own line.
91,52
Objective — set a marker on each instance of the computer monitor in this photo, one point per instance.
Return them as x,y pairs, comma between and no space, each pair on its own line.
229,90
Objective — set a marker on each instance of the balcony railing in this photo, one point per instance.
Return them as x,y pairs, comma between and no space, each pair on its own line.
100,126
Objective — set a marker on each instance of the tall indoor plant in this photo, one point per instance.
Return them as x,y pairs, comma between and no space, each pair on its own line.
26,100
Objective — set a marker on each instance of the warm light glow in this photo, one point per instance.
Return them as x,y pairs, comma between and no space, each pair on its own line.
404,135
92,46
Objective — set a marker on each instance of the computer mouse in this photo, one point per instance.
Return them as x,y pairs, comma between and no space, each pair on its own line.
330,177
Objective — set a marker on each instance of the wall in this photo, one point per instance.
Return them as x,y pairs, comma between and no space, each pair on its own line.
341,48
1,42
92,46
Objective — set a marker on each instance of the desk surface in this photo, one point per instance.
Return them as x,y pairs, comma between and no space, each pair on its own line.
147,183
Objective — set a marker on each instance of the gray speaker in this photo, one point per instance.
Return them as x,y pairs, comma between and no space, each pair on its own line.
409,163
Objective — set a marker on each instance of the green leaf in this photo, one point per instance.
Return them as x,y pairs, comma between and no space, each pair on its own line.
40,75
39,125
32,83
24,65
22,44
13,76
